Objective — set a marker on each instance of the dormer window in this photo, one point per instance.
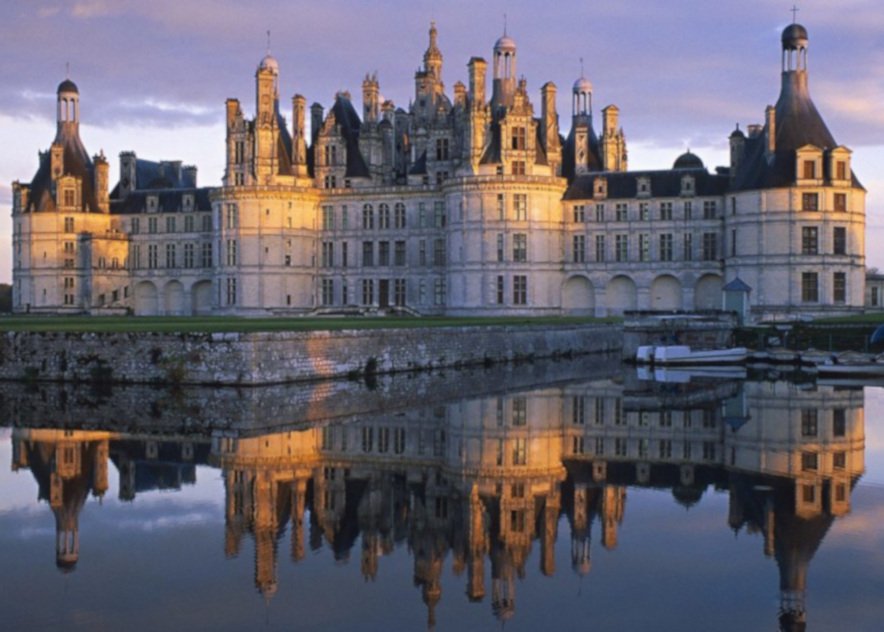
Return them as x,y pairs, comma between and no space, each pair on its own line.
188,202
809,170
687,185
643,187
152,204
841,170
600,189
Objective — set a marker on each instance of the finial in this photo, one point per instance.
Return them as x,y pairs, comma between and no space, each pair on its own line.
794,10
581,68
67,70
504,24
268,41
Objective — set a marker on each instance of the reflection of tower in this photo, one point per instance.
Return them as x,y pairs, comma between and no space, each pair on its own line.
612,506
478,546
67,466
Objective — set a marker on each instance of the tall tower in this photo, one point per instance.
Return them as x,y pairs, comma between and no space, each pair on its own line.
504,71
266,124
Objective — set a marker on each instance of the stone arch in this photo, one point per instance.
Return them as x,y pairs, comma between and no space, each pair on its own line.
146,299
707,292
173,299
620,294
201,298
578,297
666,293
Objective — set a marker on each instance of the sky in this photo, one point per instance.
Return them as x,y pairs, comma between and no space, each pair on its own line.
153,76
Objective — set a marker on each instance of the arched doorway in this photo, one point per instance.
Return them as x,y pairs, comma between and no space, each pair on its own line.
620,295
174,299
201,298
146,300
578,297
707,293
666,293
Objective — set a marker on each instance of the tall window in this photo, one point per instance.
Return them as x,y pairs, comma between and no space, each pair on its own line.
367,291
839,240
500,246
328,254
644,247
231,252
439,292
600,212
599,248
810,287
384,216
710,246
188,223
383,253
688,254
520,289
579,249
367,217
665,211
206,255
620,212
328,217
644,212
189,252
501,207
152,256
809,240
367,253
328,292
399,254
520,247
231,216
666,247
231,290
399,215
399,292
688,210
519,138
840,202
621,247
839,287
841,170
170,224
170,256
810,202
441,149
438,252
709,209
809,169
439,214
579,213
520,204
500,289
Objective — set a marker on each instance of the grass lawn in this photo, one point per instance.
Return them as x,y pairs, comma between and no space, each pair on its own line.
208,324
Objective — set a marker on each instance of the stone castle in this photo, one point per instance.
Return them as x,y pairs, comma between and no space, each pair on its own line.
467,204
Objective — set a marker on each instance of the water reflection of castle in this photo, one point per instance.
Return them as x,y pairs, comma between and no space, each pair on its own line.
483,479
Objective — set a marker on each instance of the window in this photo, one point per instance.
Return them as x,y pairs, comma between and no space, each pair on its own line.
500,246
520,289
152,225
839,287
709,209
170,255
136,226
810,202
520,411
666,247
367,217
170,224
399,215
841,170
68,197
422,252
188,223
206,255
520,451
152,256
441,149
688,251
809,461
644,247
520,247
809,287
620,212
579,248
665,211
399,253
232,219
841,202
344,254
518,138
439,214
600,212
839,460
839,422
578,410
383,253
231,290
875,299
809,240
710,246
439,291
367,253
399,292
500,283
809,425
345,218
520,203
328,254
621,247
439,252
809,170
328,292
644,212
579,213
367,291
189,258
331,155
207,223
688,210
501,207
328,217
231,252
384,216
599,248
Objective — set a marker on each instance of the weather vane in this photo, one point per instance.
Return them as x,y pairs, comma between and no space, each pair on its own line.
794,10
268,41
581,67
67,70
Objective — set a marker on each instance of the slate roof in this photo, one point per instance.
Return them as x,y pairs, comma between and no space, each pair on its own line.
568,154
168,200
76,163
624,185
348,120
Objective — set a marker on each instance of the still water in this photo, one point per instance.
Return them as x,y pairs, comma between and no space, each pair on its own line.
560,496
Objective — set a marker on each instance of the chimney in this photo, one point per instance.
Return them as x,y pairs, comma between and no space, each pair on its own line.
232,111
460,95
370,95
771,131
477,68
737,143
316,115
127,173
189,176
101,182
549,130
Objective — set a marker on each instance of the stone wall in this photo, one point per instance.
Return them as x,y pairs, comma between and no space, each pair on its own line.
269,358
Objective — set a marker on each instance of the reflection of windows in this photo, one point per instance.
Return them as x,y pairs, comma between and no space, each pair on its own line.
520,451
839,422
578,415
839,460
808,494
520,411
809,422
809,461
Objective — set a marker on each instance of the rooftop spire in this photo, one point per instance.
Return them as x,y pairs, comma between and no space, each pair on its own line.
794,11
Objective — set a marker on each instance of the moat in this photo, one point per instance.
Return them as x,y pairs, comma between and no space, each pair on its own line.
550,495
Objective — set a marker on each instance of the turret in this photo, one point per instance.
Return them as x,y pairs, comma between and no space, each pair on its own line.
316,116
549,130
68,107
433,56
614,157
477,67
101,182
370,99
128,173
299,135
737,146
504,71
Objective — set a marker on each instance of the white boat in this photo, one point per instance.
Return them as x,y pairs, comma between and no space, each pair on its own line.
682,354
855,369
645,354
